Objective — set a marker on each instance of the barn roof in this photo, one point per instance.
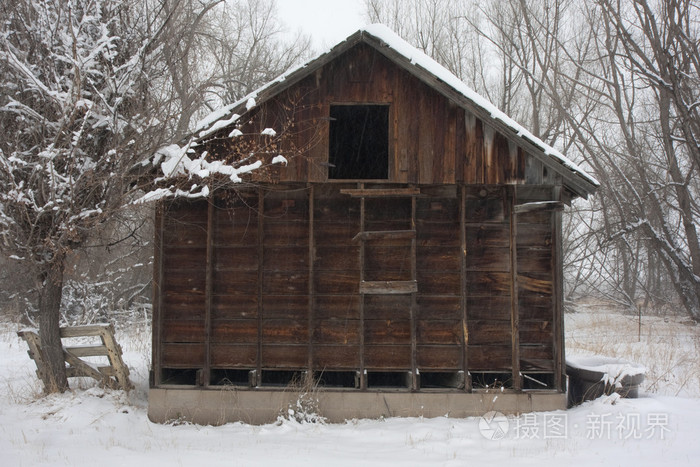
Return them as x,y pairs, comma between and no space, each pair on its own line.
431,73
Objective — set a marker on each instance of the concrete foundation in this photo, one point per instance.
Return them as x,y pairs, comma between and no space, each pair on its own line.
260,406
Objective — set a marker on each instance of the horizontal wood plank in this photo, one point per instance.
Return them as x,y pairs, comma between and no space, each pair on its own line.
490,357
239,331
182,331
439,357
85,331
431,307
336,332
88,351
380,192
445,332
285,356
489,332
387,331
387,307
385,235
388,287
388,357
179,355
226,355
336,357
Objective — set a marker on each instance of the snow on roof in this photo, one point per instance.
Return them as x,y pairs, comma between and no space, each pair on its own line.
222,117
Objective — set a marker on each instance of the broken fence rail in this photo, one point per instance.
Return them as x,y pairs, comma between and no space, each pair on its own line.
115,375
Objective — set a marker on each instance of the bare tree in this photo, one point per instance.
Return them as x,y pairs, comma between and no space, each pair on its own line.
216,52
635,120
90,89
73,91
653,88
616,84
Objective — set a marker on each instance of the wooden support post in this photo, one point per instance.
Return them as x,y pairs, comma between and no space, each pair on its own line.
463,287
36,354
363,370
557,296
208,292
114,354
261,252
414,305
515,312
311,288
157,317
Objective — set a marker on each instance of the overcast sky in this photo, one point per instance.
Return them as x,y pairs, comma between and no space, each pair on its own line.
328,21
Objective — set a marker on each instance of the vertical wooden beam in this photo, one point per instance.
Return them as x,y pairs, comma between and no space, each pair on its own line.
463,286
557,295
208,292
514,310
114,355
157,293
36,354
414,305
311,289
261,251
363,375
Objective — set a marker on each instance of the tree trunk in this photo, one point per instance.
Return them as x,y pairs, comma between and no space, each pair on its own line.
51,291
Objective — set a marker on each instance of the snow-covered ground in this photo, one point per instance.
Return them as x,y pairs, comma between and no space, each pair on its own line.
90,426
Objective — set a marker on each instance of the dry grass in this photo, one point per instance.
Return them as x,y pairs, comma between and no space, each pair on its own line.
667,346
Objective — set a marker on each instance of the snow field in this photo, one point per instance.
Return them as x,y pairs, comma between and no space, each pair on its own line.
88,424
667,346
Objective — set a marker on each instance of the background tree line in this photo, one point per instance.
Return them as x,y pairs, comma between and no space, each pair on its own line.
612,83
90,88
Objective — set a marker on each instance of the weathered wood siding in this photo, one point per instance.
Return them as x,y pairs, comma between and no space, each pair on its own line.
269,279
488,279
431,139
539,301
272,277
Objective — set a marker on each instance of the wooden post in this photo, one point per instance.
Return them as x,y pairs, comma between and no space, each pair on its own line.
311,288
363,371
414,305
157,311
463,286
261,251
35,353
114,354
557,296
515,312
208,292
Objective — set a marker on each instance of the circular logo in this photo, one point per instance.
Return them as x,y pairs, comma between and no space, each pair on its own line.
493,425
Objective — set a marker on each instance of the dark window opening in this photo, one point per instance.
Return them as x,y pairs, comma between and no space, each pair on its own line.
230,377
179,376
491,380
282,378
441,380
337,379
388,379
359,142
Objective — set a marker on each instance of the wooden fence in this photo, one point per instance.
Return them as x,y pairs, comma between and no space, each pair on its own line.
114,375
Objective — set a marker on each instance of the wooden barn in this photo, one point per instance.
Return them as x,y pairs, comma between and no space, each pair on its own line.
405,262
